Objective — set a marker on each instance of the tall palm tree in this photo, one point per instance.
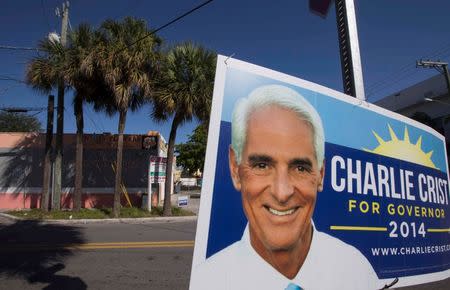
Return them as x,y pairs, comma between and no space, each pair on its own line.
184,91
64,64
45,73
81,44
126,60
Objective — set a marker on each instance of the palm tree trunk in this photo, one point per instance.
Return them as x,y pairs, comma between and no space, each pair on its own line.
167,208
78,110
59,147
48,152
122,120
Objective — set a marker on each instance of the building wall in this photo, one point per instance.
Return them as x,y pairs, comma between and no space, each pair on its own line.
414,99
431,97
21,169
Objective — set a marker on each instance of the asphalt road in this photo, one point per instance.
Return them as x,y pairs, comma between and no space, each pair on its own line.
150,255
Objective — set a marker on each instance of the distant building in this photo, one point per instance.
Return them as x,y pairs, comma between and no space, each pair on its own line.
21,168
429,96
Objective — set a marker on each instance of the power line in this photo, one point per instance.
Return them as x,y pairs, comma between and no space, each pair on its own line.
394,77
437,53
6,78
87,113
5,90
18,47
9,47
389,77
442,67
22,109
70,25
409,66
394,82
167,24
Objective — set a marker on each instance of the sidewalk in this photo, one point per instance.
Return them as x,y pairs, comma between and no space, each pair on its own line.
193,205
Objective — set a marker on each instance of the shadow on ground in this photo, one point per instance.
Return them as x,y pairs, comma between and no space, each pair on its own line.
36,252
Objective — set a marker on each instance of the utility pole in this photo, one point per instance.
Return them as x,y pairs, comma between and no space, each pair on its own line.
48,151
441,67
56,204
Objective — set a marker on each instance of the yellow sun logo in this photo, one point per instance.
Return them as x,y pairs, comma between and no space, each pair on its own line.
403,149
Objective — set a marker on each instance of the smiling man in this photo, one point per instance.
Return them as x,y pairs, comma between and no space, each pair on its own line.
276,161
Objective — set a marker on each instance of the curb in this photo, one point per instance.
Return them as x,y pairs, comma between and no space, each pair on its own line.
110,220
10,217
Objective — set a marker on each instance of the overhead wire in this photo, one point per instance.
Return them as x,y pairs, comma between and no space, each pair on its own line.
6,89
392,80
87,113
133,43
10,47
406,68
69,24
167,24
7,78
394,83
404,72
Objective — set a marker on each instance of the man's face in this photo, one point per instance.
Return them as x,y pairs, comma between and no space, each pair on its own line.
278,178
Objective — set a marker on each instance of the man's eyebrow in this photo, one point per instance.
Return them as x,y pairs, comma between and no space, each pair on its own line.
256,158
301,161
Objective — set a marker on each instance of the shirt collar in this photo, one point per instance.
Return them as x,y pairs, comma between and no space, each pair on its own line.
300,279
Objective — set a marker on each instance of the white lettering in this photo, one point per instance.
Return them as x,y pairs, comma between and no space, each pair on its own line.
334,182
354,175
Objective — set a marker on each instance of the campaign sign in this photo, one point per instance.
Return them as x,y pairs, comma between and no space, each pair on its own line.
183,200
385,189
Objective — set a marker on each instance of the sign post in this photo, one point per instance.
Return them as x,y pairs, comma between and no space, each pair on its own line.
156,174
352,76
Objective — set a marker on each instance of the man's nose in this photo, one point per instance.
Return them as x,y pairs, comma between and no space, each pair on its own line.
282,187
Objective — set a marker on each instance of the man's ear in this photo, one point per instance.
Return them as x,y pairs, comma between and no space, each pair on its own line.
322,175
234,169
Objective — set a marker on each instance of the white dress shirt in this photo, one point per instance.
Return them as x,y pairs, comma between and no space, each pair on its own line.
330,264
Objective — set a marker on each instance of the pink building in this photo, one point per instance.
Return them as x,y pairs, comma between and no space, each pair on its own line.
21,168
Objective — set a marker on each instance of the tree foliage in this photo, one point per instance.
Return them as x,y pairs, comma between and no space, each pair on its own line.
191,155
124,61
19,122
183,92
64,66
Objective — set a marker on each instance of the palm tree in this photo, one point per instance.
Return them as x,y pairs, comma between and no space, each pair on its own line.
126,58
65,65
45,73
184,91
81,44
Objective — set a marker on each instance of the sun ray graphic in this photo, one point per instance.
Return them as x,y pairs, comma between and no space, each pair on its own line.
403,149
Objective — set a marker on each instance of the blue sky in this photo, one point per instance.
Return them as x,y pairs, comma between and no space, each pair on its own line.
339,130
281,35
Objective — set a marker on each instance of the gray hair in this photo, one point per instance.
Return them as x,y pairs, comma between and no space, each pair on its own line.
279,96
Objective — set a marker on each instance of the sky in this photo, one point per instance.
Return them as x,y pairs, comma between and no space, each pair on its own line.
281,35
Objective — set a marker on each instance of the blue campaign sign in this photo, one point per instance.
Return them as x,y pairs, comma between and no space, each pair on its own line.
357,197
183,200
